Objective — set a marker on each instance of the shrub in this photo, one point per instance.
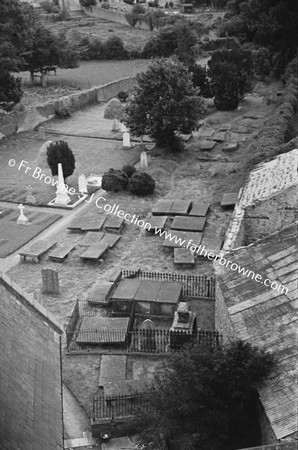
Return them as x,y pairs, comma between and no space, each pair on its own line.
122,96
10,91
59,152
113,48
262,62
225,86
201,81
114,180
61,112
129,170
88,3
141,183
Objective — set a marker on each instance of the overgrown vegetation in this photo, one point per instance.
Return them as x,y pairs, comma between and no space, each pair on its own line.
60,152
138,183
205,398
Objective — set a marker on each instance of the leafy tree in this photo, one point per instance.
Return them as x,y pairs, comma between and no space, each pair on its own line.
200,80
15,35
49,49
59,152
241,63
186,42
113,48
205,397
225,87
165,103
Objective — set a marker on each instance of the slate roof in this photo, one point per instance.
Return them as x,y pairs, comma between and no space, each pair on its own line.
270,178
30,381
269,318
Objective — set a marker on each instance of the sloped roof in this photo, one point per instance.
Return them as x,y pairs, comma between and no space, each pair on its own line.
30,380
269,318
270,178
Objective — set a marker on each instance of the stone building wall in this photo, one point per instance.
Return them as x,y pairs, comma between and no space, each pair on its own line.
271,215
223,322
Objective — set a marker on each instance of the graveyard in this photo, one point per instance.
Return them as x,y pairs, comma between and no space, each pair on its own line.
74,269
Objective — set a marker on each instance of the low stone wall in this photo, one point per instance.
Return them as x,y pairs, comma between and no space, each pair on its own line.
28,120
112,15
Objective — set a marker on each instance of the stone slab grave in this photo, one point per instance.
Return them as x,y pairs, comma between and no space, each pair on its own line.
61,252
92,237
207,145
82,224
187,223
184,237
162,207
212,244
229,200
99,293
205,133
37,250
119,443
125,387
112,369
218,136
255,115
103,330
114,224
183,257
50,281
180,207
110,239
199,209
157,223
94,252
225,127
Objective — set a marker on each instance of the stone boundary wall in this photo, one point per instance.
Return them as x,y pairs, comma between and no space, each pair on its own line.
113,16
28,120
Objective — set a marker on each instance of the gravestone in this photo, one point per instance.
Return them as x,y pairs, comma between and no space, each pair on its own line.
228,136
30,198
42,155
82,183
50,281
37,295
147,336
22,219
41,133
144,159
147,325
62,197
126,139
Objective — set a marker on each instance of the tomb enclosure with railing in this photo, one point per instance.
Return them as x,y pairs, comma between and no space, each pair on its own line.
140,325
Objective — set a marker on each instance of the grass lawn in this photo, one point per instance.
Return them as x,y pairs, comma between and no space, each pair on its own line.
92,156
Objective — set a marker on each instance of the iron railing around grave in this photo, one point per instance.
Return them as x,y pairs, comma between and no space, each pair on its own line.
119,406
193,285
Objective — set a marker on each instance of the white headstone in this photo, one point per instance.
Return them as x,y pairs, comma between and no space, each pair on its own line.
126,139
30,197
41,133
22,219
144,159
62,197
82,183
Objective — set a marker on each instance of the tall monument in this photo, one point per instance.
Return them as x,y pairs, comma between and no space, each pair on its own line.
62,197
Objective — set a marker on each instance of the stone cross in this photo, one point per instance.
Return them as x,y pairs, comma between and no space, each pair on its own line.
22,219
50,281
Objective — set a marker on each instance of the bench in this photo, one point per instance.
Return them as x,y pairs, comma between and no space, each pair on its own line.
36,251
60,253
183,257
94,252
199,209
187,223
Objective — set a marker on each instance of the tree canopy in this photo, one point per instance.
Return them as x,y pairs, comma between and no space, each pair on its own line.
165,103
205,397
